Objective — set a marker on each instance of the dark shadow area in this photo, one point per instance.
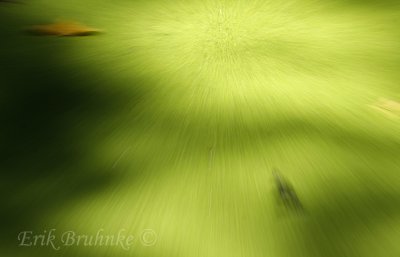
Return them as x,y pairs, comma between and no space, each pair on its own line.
337,225
47,111
342,216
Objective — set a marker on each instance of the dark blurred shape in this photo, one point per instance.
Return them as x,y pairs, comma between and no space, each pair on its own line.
286,192
67,28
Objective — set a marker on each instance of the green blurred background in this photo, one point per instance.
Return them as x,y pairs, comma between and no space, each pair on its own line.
173,118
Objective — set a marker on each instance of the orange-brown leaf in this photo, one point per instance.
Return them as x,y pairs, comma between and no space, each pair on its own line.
63,29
